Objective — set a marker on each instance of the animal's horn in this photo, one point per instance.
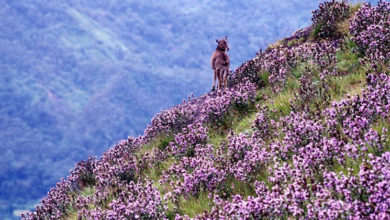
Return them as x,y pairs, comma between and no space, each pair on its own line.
226,37
217,40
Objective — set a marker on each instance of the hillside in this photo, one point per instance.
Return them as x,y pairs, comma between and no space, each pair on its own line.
301,131
103,70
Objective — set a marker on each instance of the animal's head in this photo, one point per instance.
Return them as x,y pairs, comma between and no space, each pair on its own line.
223,44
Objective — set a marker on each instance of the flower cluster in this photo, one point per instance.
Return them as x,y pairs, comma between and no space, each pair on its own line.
370,30
171,120
356,114
278,63
210,108
264,125
246,156
214,109
83,174
248,70
139,200
241,95
363,196
186,141
314,144
312,94
54,205
327,16
117,165
114,169
324,54
203,171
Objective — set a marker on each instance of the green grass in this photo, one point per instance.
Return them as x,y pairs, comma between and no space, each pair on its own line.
161,142
350,84
347,60
242,122
242,188
164,142
195,205
382,126
72,216
353,76
281,101
263,177
302,68
275,45
244,125
71,212
88,191
216,138
295,42
355,7
343,26
314,34
155,172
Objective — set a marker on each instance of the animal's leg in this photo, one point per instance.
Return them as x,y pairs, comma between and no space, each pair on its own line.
215,78
226,75
223,78
219,72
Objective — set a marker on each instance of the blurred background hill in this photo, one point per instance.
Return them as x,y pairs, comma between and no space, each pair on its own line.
78,76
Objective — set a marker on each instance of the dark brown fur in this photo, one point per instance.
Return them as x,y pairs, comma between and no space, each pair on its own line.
220,63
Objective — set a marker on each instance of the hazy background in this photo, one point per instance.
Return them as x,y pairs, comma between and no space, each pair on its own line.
78,76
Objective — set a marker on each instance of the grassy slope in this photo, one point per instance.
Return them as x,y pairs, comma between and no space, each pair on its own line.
351,84
238,122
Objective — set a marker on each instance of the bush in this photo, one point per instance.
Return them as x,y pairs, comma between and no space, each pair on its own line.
370,31
326,18
83,175
248,70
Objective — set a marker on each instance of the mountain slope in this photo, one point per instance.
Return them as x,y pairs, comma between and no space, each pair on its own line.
123,61
302,131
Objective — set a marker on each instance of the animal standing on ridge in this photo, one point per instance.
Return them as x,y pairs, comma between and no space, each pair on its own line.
220,63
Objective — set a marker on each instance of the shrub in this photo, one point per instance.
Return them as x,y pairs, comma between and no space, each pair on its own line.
171,120
370,30
248,70
83,175
326,18
312,93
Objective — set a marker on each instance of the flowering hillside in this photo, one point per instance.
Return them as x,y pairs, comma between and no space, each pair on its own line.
301,132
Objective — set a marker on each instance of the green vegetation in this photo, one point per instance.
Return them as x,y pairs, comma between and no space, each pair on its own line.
351,83
74,82
88,191
308,87
239,121
195,205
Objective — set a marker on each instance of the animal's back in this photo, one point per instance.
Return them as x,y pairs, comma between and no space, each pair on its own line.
213,58
219,59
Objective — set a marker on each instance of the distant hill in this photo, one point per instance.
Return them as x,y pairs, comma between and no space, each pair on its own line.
76,76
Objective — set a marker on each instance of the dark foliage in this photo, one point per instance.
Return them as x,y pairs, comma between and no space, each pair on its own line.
326,18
